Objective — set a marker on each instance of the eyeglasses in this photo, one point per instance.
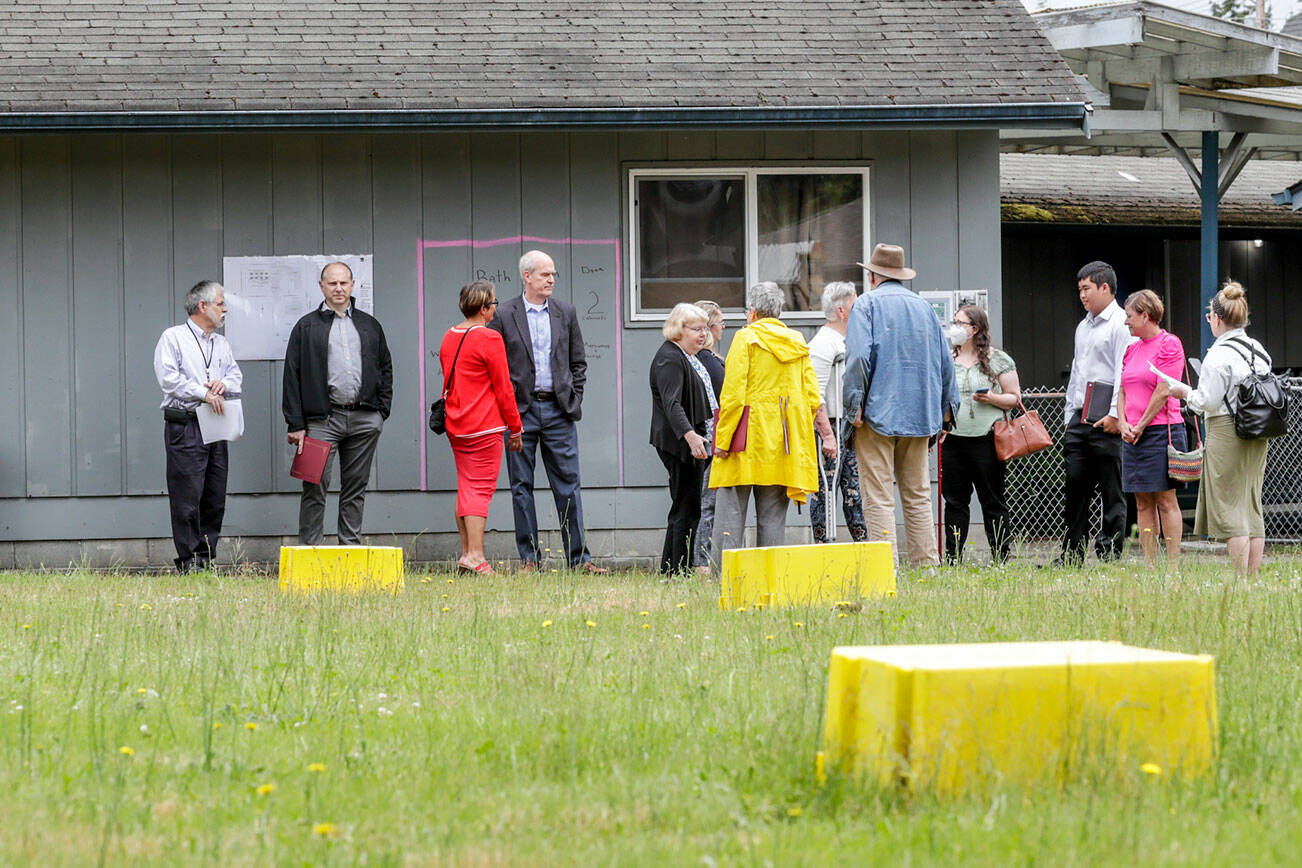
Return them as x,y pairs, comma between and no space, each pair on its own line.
961,322
700,330
492,303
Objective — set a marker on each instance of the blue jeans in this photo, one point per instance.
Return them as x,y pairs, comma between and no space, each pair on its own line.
546,426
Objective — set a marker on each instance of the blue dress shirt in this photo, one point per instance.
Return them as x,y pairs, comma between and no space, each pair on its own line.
540,334
898,368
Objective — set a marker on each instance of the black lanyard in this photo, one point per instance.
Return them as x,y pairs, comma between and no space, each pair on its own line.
207,360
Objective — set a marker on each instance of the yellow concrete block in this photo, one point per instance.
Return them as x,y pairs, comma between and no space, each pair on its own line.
341,569
951,717
801,575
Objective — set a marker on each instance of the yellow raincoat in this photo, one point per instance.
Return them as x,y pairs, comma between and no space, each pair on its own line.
769,370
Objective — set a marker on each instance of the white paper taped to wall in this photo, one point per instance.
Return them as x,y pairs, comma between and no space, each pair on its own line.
266,295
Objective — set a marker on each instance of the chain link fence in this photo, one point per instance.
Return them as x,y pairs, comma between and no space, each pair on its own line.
1035,482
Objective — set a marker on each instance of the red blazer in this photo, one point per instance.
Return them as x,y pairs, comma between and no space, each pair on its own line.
480,400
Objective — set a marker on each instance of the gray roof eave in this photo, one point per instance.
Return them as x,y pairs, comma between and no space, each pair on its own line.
1021,115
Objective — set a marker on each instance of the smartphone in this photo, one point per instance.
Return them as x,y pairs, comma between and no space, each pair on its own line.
980,391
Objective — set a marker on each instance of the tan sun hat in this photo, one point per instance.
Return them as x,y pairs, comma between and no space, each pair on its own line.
888,261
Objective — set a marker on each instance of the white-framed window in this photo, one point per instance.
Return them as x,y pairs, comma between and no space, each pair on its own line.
709,233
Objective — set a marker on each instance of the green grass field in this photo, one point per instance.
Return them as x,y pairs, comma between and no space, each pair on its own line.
562,720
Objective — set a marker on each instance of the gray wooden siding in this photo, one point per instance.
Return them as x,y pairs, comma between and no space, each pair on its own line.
101,235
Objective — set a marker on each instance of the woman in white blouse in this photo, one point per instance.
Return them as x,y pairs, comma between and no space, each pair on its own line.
1229,495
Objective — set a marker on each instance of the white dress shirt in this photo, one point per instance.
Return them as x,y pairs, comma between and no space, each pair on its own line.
185,359
1222,368
1101,343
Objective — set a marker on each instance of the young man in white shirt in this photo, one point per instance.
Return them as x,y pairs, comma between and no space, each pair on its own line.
1092,451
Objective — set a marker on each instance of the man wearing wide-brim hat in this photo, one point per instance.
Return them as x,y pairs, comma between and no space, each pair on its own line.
900,388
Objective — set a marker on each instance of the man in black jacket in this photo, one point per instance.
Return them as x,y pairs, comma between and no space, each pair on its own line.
338,388
544,350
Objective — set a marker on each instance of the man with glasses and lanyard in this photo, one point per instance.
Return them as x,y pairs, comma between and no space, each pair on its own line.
194,365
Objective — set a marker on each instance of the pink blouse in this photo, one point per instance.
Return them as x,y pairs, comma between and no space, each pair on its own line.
1166,352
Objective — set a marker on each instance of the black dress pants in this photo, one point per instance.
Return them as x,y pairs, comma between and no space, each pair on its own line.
685,476
196,491
967,464
1093,461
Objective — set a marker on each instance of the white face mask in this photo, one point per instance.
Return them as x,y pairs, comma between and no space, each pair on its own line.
957,335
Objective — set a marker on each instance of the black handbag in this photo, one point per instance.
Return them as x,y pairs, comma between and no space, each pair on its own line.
438,414
1260,401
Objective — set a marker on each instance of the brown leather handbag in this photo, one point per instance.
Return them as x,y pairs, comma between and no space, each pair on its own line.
1020,435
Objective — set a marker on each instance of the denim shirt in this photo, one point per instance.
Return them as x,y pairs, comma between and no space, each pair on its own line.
898,368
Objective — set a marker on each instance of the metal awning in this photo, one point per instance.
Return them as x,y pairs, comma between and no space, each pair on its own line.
1166,81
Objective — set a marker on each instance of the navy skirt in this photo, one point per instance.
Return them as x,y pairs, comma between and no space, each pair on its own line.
1143,464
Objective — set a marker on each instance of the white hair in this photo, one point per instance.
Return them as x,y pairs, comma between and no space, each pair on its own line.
679,318
835,293
529,261
765,298
205,291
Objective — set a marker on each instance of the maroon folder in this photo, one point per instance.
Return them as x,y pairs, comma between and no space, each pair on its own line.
310,463
739,433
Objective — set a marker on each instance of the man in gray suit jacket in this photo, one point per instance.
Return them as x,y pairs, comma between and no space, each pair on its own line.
544,350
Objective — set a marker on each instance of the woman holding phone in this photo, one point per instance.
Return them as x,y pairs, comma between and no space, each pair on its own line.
988,387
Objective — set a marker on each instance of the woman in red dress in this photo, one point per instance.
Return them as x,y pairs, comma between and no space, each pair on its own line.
480,406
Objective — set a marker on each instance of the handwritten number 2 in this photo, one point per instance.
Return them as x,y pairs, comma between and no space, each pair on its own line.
596,301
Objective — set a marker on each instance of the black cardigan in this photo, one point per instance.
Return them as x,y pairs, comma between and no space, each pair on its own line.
678,401
306,393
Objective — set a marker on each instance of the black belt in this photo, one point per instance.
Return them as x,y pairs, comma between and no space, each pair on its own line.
541,395
353,406
178,414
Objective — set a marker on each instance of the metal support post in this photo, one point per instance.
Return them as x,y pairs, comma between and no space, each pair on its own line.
1210,250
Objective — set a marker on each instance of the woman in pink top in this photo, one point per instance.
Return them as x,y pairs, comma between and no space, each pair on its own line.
1151,420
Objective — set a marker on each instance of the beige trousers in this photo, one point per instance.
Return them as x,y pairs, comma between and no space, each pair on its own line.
884,461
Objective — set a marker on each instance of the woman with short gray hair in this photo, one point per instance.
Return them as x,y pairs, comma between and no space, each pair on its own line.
764,442
840,469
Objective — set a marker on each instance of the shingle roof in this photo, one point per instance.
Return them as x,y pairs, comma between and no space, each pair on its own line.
333,55
1136,191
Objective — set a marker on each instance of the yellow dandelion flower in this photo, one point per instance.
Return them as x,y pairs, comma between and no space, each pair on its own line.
251,725
741,608
27,626
451,582
447,608
266,789
840,614
316,767
644,614
798,624
768,638
646,626
682,605
425,581
445,596
591,623
145,607
547,623
142,691
126,750
890,593
217,724
1151,769
323,829
793,812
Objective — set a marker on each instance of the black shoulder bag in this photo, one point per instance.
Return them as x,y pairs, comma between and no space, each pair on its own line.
438,414
1260,405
